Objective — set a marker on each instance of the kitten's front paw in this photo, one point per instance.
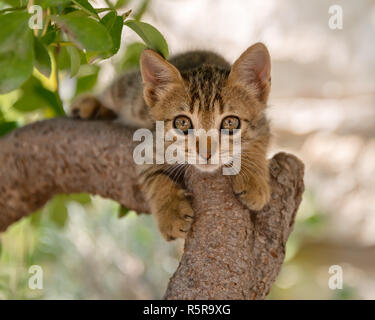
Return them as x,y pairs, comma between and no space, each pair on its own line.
253,195
175,217
89,107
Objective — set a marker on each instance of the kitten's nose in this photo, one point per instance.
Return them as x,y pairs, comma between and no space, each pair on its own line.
208,154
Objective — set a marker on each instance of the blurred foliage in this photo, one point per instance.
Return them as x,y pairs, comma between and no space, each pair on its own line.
300,277
90,255
75,239
85,250
73,40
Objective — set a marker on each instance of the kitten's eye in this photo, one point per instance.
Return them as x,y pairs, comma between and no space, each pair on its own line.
182,123
230,123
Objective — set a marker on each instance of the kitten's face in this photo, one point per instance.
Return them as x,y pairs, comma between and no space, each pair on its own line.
210,100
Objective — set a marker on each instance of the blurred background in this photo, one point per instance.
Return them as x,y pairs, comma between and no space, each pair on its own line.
322,107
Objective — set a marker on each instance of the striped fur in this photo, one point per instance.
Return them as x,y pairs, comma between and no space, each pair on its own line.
204,87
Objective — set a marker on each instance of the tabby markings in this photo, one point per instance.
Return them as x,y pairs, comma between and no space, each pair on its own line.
212,147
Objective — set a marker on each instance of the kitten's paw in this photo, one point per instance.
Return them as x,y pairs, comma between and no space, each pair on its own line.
175,217
89,107
254,197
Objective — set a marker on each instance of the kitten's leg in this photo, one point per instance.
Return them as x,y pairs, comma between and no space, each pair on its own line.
168,201
252,186
90,107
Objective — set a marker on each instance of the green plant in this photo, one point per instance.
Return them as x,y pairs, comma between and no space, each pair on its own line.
75,39
72,38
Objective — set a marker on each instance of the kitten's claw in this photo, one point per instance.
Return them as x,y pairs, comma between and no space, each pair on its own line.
253,195
188,195
188,218
175,219
254,199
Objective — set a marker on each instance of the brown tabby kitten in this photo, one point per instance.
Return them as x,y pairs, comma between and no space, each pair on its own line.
197,89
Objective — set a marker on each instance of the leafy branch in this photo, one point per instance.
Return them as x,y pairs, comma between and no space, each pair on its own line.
74,36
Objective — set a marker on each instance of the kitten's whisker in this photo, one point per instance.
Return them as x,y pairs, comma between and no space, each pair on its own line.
252,171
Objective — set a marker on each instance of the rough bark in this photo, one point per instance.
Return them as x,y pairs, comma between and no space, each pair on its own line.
230,253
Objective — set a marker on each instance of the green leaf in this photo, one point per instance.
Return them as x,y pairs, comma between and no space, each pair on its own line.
121,3
35,96
29,102
54,3
64,59
132,55
74,10
49,37
57,210
85,32
29,99
109,19
52,99
86,6
35,218
114,25
82,198
42,58
123,211
6,127
75,60
141,10
14,3
150,35
87,80
57,207
16,50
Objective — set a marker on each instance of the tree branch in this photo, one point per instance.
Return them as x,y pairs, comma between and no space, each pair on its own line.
230,253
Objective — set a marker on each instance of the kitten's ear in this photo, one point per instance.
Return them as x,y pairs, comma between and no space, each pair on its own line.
157,74
253,70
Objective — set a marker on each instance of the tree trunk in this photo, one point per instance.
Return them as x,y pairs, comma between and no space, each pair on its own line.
230,252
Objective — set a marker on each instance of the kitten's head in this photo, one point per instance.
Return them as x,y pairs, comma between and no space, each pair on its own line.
212,97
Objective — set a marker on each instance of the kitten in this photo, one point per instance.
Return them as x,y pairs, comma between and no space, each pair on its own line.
196,89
